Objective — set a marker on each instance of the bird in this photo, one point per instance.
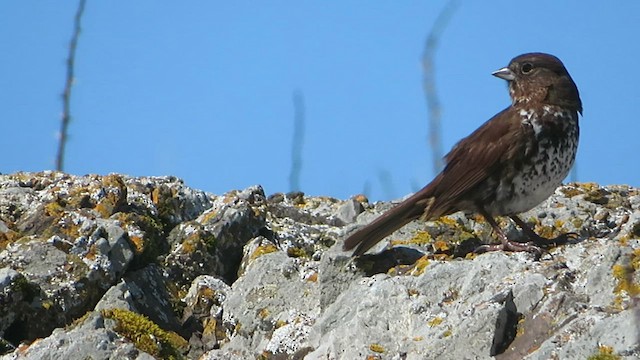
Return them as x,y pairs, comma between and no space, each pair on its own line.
507,166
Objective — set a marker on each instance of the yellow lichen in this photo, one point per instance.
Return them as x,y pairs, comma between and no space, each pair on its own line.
263,250
115,197
146,335
624,275
441,246
635,260
435,321
604,353
280,323
377,348
415,269
264,313
520,329
448,221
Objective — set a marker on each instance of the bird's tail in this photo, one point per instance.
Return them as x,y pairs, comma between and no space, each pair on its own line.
410,209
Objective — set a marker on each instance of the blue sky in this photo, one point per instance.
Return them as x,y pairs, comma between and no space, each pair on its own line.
204,91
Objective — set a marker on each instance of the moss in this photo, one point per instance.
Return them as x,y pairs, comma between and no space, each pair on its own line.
377,348
79,321
146,335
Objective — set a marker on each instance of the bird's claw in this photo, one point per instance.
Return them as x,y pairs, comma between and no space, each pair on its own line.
514,246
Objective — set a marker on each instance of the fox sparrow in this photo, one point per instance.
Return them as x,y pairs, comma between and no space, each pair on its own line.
507,166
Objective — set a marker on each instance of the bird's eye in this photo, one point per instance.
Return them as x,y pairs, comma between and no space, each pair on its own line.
526,67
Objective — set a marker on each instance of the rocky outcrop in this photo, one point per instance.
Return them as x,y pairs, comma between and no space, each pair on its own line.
111,267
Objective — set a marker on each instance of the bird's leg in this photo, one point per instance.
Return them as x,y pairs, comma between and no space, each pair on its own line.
539,240
505,243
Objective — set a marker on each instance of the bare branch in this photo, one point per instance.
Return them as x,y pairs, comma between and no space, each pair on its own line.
429,86
298,140
66,94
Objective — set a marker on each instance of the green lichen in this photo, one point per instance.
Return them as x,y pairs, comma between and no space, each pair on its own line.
296,252
146,335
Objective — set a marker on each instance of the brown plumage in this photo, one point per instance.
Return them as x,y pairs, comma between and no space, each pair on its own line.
509,165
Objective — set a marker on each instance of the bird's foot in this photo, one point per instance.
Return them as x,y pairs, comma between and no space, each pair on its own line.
537,246
509,245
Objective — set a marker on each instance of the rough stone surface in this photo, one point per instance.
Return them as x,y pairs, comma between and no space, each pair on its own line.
243,275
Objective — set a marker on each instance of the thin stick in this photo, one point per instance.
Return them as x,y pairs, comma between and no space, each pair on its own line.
298,140
66,94
429,85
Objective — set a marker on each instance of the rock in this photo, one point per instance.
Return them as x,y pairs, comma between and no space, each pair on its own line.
203,315
90,339
124,267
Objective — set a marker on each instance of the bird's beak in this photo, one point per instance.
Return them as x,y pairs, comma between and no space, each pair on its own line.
505,73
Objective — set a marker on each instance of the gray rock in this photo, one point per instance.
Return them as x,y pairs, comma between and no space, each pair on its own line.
90,339
349,211
212,244
242,276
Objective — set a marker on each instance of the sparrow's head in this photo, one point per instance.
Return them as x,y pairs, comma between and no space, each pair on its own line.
541,79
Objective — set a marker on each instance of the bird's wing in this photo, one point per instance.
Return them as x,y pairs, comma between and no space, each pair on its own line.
479,155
